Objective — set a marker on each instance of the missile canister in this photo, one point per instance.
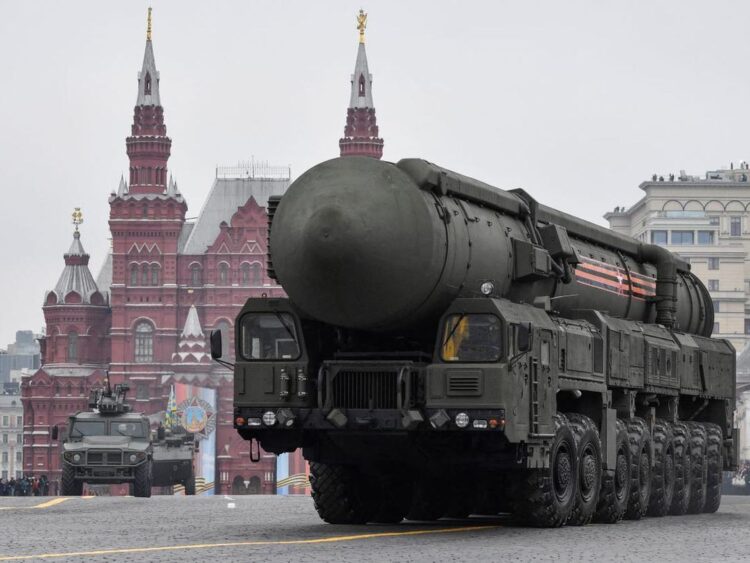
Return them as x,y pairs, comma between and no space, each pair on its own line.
370,245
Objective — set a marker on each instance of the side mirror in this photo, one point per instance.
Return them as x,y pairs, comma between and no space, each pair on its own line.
216,346
523,337
55,432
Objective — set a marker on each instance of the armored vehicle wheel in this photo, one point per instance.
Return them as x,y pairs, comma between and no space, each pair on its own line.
69,486
662,472
340,494
715,467
545,497
190,485
615,492
428,501
142,481
640,450
589,460
461,499
698,467
682,469
395,498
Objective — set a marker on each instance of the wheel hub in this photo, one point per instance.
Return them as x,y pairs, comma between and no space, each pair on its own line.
563,469
621,475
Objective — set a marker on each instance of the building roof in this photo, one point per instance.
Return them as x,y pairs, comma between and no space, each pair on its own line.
361,69
148,79
227,195
76,276
104,279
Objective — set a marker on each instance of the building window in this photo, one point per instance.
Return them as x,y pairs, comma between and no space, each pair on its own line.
713,285
223,273
361,85
5,458
19,457
747,326
245,273
195,274
72,346
716,329
19,421
705,237
5,420
658,237
682,237
147,84
735,226
714,220
5,438
144,274
717,305
154,274
134,274
713,263
141,392
144,342
256,274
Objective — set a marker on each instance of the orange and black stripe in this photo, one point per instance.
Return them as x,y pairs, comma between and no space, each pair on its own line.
614,279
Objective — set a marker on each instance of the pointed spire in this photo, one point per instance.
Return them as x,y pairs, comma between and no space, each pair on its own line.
76,276
192,325
123,187
361,131
148,78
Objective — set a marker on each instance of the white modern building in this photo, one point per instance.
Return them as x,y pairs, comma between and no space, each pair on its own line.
11,437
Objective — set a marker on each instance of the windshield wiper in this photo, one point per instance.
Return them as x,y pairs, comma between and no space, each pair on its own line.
453,330
288,330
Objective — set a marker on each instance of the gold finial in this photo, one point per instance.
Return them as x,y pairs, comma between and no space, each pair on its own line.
77,217
361,25
148,25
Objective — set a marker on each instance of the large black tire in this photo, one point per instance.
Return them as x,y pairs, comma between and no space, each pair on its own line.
340,494
589,460
394,499
461,499
615,493
715,467
663,470
545,497
190,484
142,481
640,450
69,485
682,469
429,501
698,468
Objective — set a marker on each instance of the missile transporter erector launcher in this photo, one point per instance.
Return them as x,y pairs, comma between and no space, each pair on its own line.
449,348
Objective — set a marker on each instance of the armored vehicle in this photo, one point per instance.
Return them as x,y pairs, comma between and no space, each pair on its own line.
450,348
107,445
173,454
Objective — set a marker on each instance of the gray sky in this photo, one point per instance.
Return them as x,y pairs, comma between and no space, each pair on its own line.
576,101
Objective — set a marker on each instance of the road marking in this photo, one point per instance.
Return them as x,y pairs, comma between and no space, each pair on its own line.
259,543
47,504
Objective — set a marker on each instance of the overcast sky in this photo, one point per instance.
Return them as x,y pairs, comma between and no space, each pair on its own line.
575,101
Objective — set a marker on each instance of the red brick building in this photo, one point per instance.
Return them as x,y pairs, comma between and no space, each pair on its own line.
165,285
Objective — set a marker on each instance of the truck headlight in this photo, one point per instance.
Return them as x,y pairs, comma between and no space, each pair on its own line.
77,457
462,420
133,458
269,418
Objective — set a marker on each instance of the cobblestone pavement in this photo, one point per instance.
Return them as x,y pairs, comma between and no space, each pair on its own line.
256,528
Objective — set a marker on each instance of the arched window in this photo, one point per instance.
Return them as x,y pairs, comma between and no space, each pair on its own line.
147,84
144,342
245,273
227,350
195,274
223,273
255,277
361,85
134,274
154,274
144,274
72,346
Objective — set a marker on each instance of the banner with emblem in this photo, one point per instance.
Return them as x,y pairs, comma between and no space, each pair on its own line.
195,410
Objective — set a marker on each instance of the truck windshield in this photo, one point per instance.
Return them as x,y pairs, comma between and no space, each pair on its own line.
471,338
83,428
269,336
127,428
